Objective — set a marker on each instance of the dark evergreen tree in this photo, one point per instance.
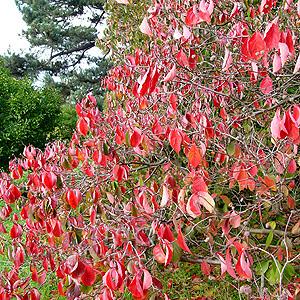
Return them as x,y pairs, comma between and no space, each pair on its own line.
62,34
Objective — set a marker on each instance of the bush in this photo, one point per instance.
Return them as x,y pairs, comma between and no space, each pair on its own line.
28,115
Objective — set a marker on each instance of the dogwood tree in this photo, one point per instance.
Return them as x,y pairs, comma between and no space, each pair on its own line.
195,159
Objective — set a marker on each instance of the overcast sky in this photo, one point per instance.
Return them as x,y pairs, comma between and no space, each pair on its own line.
11,25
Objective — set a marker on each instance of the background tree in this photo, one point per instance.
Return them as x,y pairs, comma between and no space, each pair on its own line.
62,35
28,115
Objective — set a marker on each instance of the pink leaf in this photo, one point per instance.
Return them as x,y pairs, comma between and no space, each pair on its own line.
235,219
165,196
145,28
276,63
192,207
292,167
297,66
207,201
171,75
227,60
123,2
284,53
266,85
147,279
177,35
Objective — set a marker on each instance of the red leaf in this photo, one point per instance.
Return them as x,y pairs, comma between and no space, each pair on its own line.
171,75
182,59
165,233
205,268
136,138
242,267
193,58
169,253
257,46
35,294
49,179
136,289
290,41
175,140
88,277
82,127
2,228
16,231
192,16
199,185
194,156
272,36
181,242
173,101
266,85
34,275
73,197
290,202
112,279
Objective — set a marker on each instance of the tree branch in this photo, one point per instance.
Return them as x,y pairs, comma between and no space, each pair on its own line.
85,47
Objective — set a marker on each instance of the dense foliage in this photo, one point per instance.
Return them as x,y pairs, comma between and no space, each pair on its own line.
195,159
27,116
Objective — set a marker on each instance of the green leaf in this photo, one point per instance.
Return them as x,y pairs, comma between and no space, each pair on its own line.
272,224
288,273
231,148
134,211
86,289
273,274
262,267
105,148
127,139
269,239
177,252
66,165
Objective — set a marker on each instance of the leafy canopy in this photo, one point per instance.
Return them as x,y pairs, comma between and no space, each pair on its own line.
27,116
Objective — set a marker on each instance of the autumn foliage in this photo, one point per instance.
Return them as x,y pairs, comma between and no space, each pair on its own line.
195,159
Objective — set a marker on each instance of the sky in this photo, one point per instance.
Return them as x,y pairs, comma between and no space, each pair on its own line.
11,25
